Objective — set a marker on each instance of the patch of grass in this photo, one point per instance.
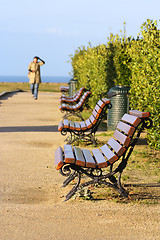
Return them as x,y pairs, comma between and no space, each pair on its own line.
106,134
47,87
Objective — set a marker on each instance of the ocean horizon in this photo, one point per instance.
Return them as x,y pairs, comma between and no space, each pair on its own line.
45,79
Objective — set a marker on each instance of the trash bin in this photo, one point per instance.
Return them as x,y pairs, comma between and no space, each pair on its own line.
72,87
120,105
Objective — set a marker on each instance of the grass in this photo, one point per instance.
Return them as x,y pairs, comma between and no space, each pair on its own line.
44,87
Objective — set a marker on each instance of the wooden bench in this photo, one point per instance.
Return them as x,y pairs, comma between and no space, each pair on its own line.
74,109
85,130
72,99
64,89
73,162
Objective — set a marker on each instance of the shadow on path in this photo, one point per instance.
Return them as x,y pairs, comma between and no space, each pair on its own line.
50,128
6,95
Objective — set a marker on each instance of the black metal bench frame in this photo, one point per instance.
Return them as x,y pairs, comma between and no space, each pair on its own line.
72,170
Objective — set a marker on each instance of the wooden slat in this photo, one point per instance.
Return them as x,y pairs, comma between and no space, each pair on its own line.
98,109
100,159
133,120
60,126
71,125
90,162
66,123
111,156
92,119
79,157
106,100
101,104
124,127
140,114
122,138
116,146
68,154
95,114
59,158
77,126
83,126
88,123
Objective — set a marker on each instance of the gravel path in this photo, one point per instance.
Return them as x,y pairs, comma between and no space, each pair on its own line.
31,202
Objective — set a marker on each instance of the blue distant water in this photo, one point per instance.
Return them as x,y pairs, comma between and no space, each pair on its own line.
43,78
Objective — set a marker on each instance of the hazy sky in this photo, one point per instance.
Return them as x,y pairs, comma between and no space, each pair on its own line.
53,29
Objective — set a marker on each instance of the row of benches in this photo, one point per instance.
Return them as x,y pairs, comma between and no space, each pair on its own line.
73,162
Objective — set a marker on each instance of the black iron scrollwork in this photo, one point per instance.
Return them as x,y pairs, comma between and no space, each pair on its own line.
65,170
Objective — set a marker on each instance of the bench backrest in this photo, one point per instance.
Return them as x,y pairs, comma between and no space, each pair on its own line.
92,122
76,106
73,98
113,149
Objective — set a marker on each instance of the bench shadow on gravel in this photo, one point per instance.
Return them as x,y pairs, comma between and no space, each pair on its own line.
49,128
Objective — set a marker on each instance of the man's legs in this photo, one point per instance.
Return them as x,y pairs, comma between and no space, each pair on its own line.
36,86
32,87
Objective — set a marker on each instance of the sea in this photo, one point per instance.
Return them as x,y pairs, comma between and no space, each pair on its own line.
47,79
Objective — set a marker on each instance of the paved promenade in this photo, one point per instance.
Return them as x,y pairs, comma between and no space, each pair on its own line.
31,201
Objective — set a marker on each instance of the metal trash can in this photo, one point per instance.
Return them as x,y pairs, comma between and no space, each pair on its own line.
72,87
120,105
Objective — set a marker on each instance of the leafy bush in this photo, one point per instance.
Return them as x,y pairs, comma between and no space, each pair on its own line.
145,80
125,61
91,69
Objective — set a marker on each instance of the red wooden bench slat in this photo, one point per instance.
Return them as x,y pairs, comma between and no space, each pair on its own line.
88,123
116,146
90,162
60,126
98,109
83,126
106,100
92,119
71,125
59,158
77,126
124,127
79,157
111,156
133,120
66,123
95,114
68,154
121,138
100,159
139,113
101,103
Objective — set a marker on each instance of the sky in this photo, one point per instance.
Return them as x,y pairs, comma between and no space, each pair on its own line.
54,29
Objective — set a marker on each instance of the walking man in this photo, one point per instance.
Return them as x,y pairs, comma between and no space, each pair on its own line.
34,75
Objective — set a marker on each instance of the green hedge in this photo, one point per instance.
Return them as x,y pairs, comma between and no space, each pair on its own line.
91,69
145,79
125,61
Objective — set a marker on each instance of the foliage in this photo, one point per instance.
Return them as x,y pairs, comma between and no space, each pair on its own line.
91,69
119,47
145,80
125,61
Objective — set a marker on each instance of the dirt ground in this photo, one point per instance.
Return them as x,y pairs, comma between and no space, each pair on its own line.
31,203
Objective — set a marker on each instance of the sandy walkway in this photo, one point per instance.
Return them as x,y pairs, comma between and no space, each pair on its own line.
31,197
